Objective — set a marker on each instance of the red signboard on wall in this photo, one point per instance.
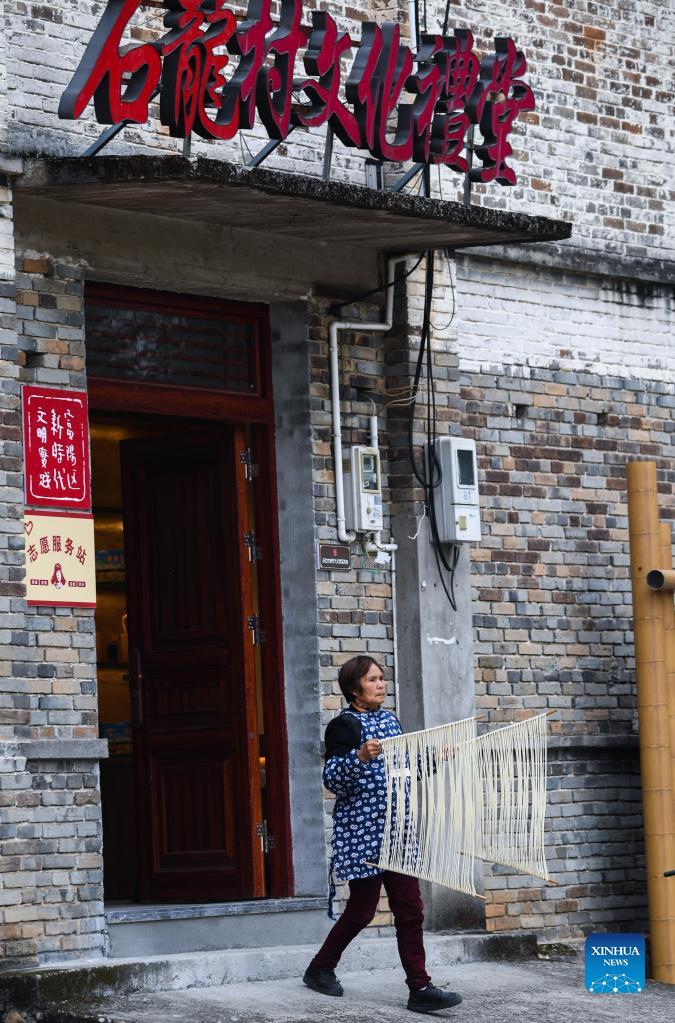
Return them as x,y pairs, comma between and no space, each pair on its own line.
56,448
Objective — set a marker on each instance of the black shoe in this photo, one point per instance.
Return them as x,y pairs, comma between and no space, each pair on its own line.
323,981
432,999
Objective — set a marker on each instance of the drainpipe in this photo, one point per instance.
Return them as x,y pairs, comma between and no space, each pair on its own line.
412,22
362,326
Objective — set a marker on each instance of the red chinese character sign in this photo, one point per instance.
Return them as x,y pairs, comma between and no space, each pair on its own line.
395,104
60,560
56,448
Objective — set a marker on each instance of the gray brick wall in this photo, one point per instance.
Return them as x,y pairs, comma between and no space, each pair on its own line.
560,376
595,149
51,895
553,616
50,850
594,848
612,326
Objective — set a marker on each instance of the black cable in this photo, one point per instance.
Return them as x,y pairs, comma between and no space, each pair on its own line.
334,310
419,474
429,474
446,17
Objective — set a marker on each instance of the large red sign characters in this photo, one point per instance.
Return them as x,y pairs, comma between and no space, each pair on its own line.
397,105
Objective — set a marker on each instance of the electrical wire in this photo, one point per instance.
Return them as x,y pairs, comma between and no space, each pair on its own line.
429,474
446,17
335,309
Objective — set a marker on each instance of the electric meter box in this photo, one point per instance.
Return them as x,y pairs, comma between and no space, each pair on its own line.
455,496
363,489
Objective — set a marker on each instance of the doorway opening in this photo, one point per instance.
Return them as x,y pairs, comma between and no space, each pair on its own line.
190,697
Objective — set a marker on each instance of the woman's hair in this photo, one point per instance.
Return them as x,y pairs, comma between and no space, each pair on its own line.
351,673
55,578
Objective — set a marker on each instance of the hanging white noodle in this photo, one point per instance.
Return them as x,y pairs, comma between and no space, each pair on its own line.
453,796
511,776
431,825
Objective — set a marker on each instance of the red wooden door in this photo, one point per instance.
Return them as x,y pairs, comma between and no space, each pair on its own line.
191,666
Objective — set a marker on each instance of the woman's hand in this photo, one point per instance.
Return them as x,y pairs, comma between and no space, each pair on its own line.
370,749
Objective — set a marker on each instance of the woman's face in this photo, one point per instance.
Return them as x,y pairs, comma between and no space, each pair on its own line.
373,689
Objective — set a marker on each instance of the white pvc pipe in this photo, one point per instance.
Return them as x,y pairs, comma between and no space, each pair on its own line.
412,19
360,325
373,432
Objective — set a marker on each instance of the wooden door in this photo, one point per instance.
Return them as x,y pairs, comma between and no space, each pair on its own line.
192,669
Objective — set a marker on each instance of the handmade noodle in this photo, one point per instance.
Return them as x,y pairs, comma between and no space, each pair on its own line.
453,797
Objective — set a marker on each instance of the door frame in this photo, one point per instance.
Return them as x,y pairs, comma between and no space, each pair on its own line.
256,412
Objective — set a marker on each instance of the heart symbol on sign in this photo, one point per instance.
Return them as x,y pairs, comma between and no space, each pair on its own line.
28,526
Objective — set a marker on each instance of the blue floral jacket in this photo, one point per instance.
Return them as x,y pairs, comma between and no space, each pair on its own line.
361,803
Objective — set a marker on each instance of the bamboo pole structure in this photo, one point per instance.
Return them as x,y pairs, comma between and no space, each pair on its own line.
666,585
647,554
669,636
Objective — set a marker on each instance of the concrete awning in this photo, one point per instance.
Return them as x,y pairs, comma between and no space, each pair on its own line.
277,204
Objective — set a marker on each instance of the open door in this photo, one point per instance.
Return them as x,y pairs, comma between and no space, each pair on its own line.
192,666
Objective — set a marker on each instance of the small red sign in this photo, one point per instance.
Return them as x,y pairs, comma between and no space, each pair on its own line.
56,448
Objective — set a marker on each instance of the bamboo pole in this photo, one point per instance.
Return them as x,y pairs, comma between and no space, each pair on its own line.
646,553
666,596
669,644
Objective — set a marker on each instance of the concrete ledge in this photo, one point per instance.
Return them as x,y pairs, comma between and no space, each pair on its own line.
168,930
134,914
63,749
653,272
37,989
278,204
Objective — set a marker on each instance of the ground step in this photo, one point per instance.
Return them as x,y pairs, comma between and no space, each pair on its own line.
106,977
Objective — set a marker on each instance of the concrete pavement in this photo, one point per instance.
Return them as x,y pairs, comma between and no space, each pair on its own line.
534,991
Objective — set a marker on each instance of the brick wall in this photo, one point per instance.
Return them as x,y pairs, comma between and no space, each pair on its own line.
595,149
563,376
552,569
51,897
594,849
552,602
354,608
50,843
553,616
47,44
527,317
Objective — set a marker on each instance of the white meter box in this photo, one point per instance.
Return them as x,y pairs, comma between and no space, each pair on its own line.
363,489
455,494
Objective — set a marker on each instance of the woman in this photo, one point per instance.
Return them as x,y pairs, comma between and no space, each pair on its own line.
355,773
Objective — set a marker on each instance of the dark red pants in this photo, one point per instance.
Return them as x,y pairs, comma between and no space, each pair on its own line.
405,903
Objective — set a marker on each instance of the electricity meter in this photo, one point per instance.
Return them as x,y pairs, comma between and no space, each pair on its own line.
363,489
455,495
